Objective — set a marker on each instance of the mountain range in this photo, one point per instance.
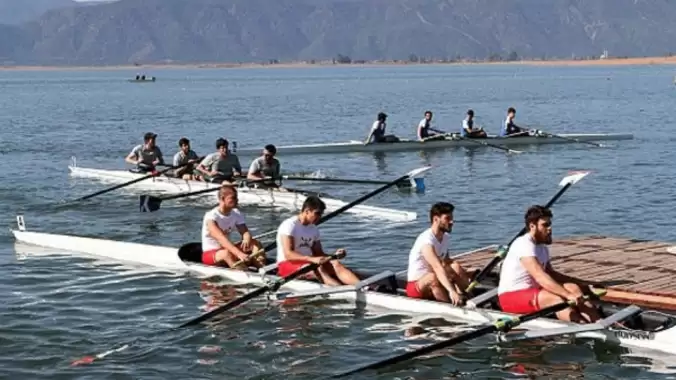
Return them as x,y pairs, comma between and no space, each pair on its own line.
62,32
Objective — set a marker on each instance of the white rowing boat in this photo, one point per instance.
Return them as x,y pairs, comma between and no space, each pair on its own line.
247,196
355,146
659,341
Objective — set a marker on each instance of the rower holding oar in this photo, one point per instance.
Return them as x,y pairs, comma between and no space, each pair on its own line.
377,133
185,160
220,166
298,244
509,129
468,129
425,130
146,156
432,275
217,227
528,282
266,166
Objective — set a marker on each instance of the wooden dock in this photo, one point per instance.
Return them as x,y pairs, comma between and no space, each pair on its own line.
640,272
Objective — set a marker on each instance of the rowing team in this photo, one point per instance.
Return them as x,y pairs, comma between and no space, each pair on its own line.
426,132
528,282
218,167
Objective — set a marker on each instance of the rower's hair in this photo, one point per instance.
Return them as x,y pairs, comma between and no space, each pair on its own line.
511,110
535,213
313,203
183,141
271,148
428,112
221,142
441,208
226,190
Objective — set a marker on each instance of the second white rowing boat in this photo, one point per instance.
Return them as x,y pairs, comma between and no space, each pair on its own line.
657,332
247,196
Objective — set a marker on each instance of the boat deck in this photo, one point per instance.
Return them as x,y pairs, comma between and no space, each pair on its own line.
635,271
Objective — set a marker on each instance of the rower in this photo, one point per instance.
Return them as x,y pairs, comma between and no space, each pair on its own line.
185,156
220,166
528,282
298,244
511,129
432,275
217,226
425,130
265,166
377,133
468,129
147,155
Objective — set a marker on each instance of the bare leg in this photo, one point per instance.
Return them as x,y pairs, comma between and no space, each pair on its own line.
587,309
428,284
457,274
345,275
546,299
326,276
224,256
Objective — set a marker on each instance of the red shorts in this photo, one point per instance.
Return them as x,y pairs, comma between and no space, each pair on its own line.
287,267
524,301
209,257
412,290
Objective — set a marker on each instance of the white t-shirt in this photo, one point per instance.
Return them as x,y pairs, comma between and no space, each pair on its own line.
513,276
417,266
304,237
227,224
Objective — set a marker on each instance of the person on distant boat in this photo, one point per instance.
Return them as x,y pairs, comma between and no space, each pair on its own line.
425,130
528,282
138,77
218,225
511,129
266,166
185,156
220,166
432,275
468,129
298,244
377,133
147,155
143,77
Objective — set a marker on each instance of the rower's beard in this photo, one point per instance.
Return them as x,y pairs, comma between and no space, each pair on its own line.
447,229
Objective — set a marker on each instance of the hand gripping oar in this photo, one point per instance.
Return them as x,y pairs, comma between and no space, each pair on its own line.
566,182
305,269
501,325
133,181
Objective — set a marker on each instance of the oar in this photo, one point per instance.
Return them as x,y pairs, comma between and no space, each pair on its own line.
412,183
566,182
570,138
501,325
482,142
304,269
273,245
133,181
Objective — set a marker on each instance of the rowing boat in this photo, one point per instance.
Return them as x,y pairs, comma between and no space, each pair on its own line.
355,146
246,195
658,340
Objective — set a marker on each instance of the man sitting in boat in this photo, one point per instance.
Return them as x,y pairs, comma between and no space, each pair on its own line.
432,275
528,282
468,129
511,129
266,166
425,130
377,133
298,244
185,156
147,155
217,227
220,166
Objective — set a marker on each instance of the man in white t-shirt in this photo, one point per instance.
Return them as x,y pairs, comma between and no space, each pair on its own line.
298,244
377,132
218,225
425,130
528,282
431,274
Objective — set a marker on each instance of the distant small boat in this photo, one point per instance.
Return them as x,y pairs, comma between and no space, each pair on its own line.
143,78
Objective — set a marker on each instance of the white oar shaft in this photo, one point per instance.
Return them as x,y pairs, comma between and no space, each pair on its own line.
338,289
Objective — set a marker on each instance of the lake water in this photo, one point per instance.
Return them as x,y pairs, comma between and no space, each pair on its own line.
56,308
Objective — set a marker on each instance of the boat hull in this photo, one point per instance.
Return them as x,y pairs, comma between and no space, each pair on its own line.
167,258
414,145
247,196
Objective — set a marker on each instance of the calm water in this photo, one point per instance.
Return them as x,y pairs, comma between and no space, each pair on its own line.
55,308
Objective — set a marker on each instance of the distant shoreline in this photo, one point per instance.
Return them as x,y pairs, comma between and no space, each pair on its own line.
144,68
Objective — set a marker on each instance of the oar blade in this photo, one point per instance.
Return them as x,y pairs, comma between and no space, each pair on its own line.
573,177
149,203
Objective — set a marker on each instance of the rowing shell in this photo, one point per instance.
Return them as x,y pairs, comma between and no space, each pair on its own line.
168,258
414,145
246,196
